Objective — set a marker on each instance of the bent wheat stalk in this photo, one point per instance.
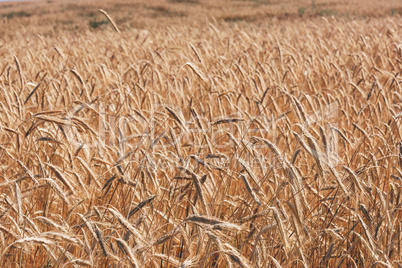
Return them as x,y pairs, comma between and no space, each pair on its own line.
110,19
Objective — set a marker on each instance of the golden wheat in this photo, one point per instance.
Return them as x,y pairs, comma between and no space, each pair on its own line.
263,135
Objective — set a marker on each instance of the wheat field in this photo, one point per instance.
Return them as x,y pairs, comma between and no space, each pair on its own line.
253,134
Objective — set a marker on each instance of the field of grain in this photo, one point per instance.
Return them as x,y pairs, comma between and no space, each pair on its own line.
201,134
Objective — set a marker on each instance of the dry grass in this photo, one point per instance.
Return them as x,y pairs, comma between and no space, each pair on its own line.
204,142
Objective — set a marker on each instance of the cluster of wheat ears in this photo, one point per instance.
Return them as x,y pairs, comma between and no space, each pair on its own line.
221,145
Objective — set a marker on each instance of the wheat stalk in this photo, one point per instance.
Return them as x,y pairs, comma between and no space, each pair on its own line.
110,19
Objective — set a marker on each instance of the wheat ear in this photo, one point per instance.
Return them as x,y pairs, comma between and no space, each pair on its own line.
110,19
